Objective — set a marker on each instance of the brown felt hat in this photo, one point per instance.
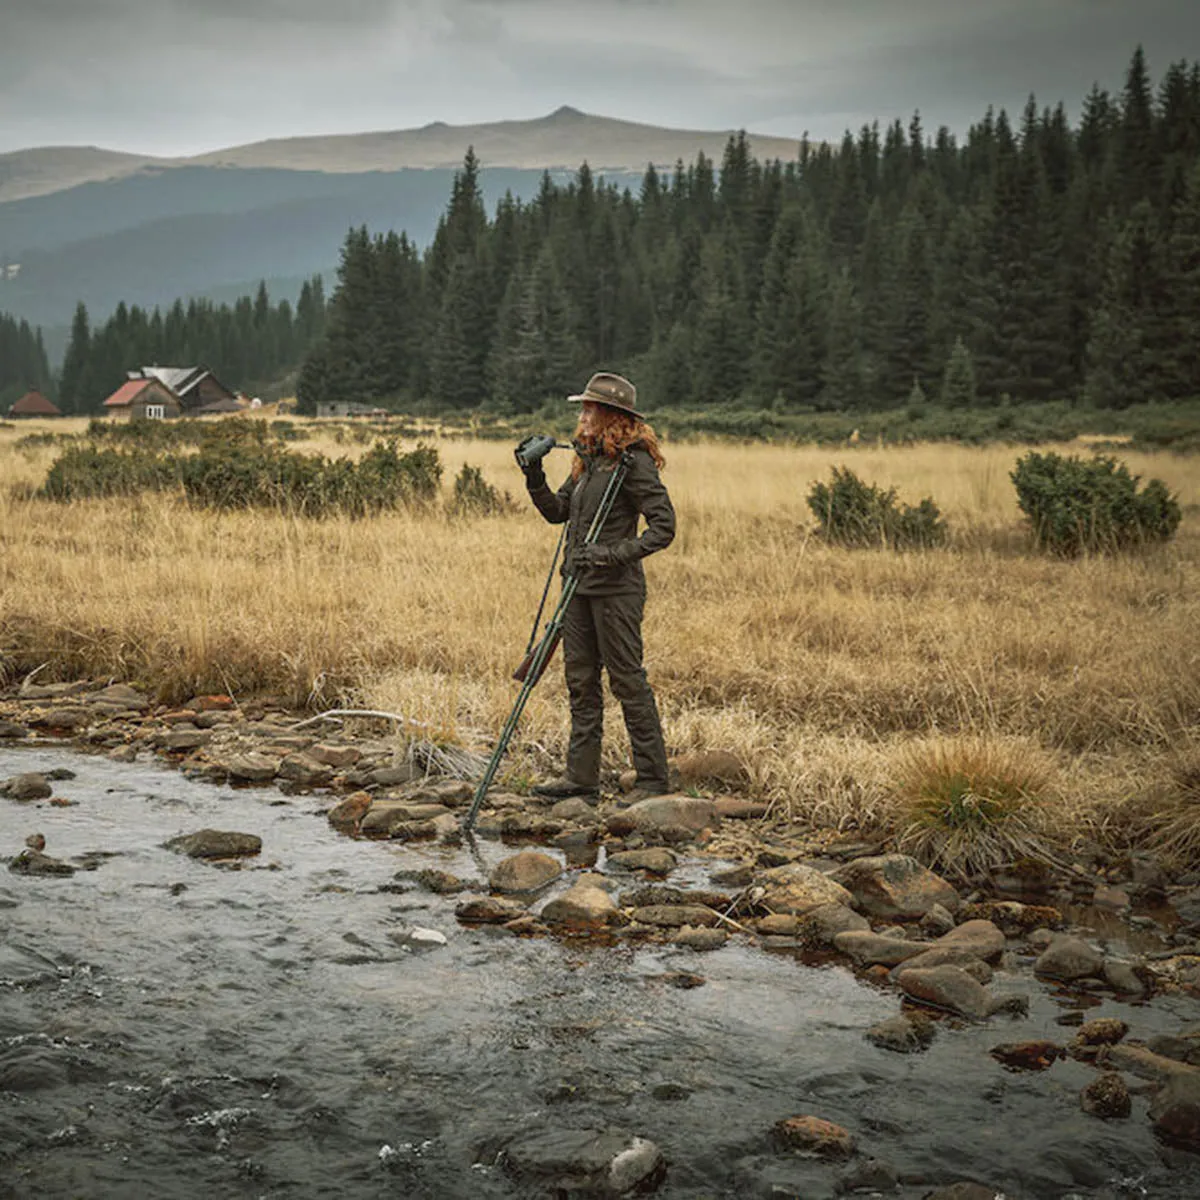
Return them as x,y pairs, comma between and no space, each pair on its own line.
613,391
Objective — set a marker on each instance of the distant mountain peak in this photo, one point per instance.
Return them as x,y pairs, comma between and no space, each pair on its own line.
566,113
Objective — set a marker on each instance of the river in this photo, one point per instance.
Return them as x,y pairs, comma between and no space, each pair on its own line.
173,1029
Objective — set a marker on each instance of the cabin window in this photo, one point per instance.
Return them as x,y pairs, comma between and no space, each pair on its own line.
156,412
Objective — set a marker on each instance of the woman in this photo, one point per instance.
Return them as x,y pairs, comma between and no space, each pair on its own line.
602,626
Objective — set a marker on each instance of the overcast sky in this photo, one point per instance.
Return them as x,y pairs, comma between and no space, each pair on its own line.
177,77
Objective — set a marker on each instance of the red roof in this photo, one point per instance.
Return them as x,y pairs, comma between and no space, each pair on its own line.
34,404
128,392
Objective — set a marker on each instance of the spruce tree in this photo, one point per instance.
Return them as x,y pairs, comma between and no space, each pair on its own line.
958,379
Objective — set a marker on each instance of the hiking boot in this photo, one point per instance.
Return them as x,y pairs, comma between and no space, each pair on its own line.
640,793
563,789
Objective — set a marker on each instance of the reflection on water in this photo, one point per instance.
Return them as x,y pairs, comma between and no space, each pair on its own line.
173,1029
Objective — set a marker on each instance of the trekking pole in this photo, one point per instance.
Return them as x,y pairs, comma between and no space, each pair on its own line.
533,666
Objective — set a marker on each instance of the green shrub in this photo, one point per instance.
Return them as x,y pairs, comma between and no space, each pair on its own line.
852,513
474,496
1085,505
86,472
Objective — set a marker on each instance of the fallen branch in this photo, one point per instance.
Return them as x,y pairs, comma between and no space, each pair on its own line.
361,712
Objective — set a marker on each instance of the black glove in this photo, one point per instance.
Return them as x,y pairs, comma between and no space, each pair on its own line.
595,555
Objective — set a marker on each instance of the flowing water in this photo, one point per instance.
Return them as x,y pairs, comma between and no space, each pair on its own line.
173,1029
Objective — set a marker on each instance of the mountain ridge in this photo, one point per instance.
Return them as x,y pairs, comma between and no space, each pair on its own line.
563,139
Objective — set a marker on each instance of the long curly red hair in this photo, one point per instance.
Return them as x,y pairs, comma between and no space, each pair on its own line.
615,431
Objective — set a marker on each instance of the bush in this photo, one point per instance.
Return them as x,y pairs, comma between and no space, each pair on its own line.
87,472
474,496
852,513
1076,505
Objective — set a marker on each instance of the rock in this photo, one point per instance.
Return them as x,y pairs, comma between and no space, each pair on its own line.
798,888
905,1033
949,988
658,812
778,925
814,1135
11,731
348,813
34,862
936,922
721,768
1107,1096
487,910
1175,1111
393,775
1183,1047
980,938
1068,958
337,757
867,948
738,876
735,808
585,905
895,887
1027,1056
574,808
215,843
70,720
1109,897
674,916
418,938
528,871
442,883
964,1190
251,767
594,1162
30,786
36,841
955,956
656,859
120,696
302,769
874,1176
820,925
1012,918
1140,1061
123,754
211,703
398,819
1122,977
684,980
180,741
700,939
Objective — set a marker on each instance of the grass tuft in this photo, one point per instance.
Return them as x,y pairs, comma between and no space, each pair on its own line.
968,806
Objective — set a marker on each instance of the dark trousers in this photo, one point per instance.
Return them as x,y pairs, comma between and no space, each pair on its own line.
606,631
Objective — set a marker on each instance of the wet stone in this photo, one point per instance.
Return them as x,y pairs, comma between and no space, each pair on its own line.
595,1162
34,862
1068,958
656,859
585,905
905,1033
528,871
250,768
674,916
1027,1056
11,731
71,720
1175,1111
347,814
1106,1096
814,1135
700,939
487,910
215,843
29,786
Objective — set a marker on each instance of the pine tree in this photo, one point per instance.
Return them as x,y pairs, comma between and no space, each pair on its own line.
75,389
958,379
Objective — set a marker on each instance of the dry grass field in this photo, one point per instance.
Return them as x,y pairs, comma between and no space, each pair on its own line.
835,673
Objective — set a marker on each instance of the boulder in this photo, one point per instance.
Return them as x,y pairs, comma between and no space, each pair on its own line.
1107,1096
487,910
895,887
215,843
395,818
735,808
1035,1055
658,812
798,888
251,767
528,871
656,859
949,988
979,938
905,1033
820,925
674,916
34,862
301,768
954,956
1175,1111
1068,958
699,939
119,696
815,1135
593,1162
585,905
337,757
29,786
868,949
347,814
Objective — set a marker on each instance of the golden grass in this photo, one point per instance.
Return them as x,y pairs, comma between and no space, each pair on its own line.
817,664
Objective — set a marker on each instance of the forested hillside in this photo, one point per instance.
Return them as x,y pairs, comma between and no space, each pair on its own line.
1036,260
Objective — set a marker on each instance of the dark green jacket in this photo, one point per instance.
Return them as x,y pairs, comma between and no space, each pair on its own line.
642,493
